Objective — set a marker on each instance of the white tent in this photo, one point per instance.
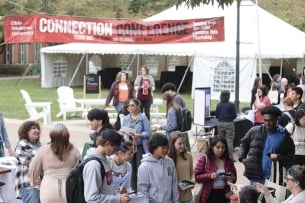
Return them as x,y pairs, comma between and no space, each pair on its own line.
262,35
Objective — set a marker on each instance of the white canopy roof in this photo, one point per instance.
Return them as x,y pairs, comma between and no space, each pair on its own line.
277,38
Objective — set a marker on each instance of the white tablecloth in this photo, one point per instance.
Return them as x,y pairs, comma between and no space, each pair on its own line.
8,190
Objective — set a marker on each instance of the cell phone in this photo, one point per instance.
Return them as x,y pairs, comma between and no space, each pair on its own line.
225,174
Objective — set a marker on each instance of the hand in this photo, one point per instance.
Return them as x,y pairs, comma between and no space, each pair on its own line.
273,157
10,152
214,175
262,189
124,198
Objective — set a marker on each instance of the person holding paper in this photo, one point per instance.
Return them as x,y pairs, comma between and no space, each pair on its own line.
121,168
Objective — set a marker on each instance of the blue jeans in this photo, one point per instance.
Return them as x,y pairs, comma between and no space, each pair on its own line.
118,106
29,195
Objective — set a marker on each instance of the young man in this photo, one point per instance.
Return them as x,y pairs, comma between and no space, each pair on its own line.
266,143
98,189
98,121
157,177
296,96
170,88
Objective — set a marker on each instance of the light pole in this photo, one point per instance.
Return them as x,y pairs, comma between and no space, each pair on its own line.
237,58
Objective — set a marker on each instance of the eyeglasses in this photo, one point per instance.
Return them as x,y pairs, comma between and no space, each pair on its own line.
131,105
287,179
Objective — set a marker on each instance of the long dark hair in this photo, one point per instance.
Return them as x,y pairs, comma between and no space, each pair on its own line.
213,142
170,102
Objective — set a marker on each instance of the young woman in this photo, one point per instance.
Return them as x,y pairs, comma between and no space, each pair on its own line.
157,177
120,166
297,131
140,126
26,149
261,101
214,170
256,84
145,85
171,114
54,160
183,162
121,90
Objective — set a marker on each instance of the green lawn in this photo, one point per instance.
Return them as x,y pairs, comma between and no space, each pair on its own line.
12,103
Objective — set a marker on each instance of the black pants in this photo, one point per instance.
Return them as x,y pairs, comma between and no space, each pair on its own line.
135,163
145,107
217,196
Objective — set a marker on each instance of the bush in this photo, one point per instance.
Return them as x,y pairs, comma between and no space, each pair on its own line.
19,70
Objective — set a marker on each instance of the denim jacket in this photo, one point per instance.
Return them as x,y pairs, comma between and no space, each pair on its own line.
142,126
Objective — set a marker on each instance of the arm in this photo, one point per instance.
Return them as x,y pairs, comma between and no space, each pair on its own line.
4,137
23,152
200,172
137,85
146,127
110,94
286,152
175,193
152,83
143,183
244,146
171,120
36,167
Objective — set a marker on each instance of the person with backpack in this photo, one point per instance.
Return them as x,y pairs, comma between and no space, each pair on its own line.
226,113
172,110
98,121
170,88
54,160
98,186
297,131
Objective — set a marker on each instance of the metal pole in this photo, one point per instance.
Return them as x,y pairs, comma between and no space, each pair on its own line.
237,59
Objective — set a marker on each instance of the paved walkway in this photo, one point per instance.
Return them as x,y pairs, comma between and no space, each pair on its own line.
79,131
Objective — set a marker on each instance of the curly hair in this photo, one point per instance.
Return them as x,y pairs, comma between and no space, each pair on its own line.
24,129
272,110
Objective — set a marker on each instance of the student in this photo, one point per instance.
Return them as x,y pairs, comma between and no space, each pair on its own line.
26,149
170,88
157,177
264,144
98,121
214,170
226,113
183,162
172,109
98,189
120,166
54,160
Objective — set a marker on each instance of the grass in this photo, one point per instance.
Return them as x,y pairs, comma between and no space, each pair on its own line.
12,103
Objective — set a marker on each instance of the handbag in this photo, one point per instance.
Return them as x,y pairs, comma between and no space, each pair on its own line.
273,96
198,187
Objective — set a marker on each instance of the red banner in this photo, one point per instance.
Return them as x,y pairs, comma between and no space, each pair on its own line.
44,28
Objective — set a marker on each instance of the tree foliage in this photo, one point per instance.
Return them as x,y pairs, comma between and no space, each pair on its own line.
194,3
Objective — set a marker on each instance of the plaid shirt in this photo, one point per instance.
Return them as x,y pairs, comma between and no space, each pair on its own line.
24,152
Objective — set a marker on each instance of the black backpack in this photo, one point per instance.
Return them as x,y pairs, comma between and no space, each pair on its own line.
184,119
75,181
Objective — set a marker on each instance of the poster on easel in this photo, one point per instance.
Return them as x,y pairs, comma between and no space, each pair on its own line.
202,105
92,84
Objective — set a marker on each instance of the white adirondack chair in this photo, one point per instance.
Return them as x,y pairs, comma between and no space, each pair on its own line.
37,110
67,102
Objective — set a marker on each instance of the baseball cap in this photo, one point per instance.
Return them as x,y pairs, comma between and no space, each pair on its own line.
114,138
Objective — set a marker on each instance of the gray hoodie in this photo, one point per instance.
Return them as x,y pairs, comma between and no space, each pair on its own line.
157,179
97,189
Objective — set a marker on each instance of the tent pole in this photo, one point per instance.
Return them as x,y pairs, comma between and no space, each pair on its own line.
281,69
237,60
76,70
185,72
138,64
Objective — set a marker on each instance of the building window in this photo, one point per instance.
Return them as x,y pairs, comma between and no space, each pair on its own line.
152,63
23,53
173,61
8,54
37,47
224,77
95,64
60,66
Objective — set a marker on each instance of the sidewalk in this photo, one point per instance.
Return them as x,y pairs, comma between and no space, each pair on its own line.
79,131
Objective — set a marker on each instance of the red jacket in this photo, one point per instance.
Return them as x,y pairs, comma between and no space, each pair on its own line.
114,92
204,168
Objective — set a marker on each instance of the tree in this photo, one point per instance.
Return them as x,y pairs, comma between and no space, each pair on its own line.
194,3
